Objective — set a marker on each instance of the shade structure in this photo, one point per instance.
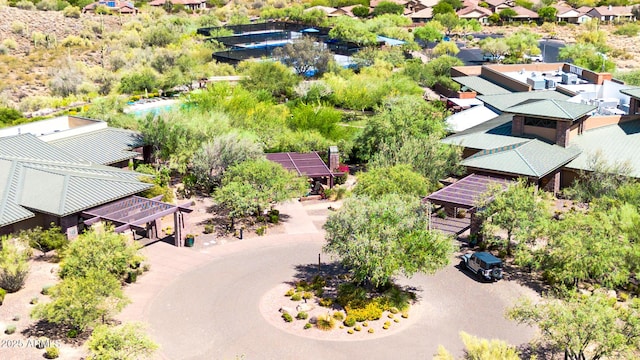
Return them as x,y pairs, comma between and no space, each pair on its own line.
138,212
305,164
466,192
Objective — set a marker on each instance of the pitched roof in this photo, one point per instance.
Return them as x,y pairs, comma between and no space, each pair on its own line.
614,10
523,12
550,108
481,85
633,92
616,143
422,14
105,146
39,177
469,118
505,101
465,12
491,134
532,158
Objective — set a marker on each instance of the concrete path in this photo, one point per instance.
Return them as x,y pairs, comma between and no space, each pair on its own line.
206,305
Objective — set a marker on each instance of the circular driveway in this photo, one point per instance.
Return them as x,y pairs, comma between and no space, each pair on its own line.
213,311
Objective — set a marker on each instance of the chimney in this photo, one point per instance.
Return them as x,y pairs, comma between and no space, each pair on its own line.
610,7
334,158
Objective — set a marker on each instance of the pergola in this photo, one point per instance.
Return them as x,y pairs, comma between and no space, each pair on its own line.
465,194
136,212
305,164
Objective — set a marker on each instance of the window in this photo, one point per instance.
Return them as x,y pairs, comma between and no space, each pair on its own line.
544,123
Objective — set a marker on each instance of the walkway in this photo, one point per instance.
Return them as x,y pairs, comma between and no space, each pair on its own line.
206,305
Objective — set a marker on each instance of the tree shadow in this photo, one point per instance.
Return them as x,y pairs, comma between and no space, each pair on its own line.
526,277
536,350
55,332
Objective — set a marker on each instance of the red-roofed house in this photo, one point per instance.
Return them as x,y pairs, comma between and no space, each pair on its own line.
571,15
524,14
613,13
475,12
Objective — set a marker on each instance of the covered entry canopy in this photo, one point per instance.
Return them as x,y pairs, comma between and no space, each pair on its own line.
466,192
138,212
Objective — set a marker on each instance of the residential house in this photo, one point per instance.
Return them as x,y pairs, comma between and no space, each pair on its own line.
571,15
475,12
422,16
612,13
192,5
116,6
330,11
524,14
498,5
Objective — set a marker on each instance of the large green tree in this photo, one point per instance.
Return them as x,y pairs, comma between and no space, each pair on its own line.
496,47
398,179
584,327
601,179
516,209
388,7
304,55
251,186
100,249
269,76
79,302
382,237
587,56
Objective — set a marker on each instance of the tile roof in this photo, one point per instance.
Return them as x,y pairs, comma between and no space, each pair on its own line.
532,158
38,177
524,13
504,101
481,85
616,143
105,146
549,108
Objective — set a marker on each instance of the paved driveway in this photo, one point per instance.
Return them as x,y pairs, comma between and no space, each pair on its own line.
212,312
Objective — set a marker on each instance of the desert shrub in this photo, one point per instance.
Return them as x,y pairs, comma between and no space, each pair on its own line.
72,334
10,43
45,240
307,326
398,298
371,311
46,289
47,5
307,295
71,12
209,228
357,328
296,297
350,331
3,293
319,292
18,27
326,302
393,310
16,317
261,230
75,41
34,300
25,5
390,316
132,276
349,321
338,315
14,267
302,286
302,315
52,352
325,322
396,320
289,292
628,29
371,331
10,329
349,294
365,324
287,317
3,50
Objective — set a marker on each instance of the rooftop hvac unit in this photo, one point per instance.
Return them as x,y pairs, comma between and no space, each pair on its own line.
536,83
569,79
550,84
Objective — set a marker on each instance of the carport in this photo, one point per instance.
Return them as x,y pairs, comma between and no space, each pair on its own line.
305,164
138,213
463,194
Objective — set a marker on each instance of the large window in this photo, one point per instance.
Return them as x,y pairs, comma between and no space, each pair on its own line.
543,123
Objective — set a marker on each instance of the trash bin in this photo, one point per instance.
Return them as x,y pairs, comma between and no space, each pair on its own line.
189,241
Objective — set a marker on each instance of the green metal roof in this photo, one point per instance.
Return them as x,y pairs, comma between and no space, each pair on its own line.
105,146
533,158
502,102
481,85
633,92
39,177
492,134
616,143
549,108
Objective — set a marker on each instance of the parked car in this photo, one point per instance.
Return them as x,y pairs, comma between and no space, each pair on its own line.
492,58
533,58
483,264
